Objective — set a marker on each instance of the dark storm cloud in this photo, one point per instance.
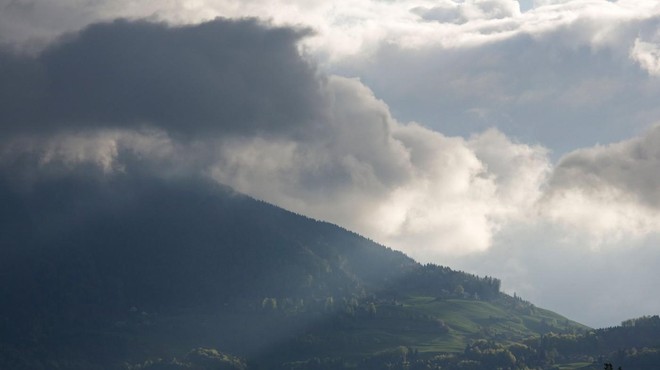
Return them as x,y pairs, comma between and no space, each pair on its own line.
222,76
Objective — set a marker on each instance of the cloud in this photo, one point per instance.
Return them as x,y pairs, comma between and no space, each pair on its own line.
463,12
224,76
647,54
611,192
401,184
556,69
110,151
235,100
520,170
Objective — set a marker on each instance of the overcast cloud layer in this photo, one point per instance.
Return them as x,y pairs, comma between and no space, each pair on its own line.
465,133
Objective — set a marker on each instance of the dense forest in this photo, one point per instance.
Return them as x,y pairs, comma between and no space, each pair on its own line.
144,273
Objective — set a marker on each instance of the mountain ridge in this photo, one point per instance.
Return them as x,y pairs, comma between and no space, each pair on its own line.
125,268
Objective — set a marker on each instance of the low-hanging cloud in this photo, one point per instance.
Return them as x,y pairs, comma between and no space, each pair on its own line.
401,184
228,77
235,100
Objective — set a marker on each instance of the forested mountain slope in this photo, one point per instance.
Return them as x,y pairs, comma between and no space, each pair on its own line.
116,270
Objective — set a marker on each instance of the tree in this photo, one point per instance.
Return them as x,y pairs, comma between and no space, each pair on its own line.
209,358
269,304
329,304
371,310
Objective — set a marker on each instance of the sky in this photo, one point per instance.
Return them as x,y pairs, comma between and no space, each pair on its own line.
517,139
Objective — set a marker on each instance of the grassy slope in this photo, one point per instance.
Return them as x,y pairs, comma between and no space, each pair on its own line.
415,322
279,338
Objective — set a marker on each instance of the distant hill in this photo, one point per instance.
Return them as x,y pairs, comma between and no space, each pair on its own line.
112,271
634,345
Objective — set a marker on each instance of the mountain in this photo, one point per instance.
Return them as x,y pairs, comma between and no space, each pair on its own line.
118,271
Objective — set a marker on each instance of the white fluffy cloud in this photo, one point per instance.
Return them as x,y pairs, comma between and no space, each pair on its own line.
401,184
647,54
